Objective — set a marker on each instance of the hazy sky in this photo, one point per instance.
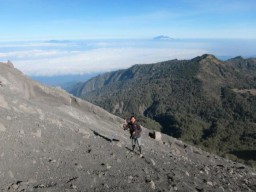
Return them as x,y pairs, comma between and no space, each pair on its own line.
85,19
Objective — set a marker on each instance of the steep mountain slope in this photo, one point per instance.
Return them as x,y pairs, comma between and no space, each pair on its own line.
203,100
52,141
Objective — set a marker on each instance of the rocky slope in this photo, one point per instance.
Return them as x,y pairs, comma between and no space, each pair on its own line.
52,141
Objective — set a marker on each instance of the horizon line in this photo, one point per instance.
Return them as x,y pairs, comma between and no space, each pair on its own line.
58,40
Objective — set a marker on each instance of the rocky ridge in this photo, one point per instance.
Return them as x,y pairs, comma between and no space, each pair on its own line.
52,141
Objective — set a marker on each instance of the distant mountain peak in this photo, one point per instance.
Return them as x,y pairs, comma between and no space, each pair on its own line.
207,57
162,37
237,58
58,41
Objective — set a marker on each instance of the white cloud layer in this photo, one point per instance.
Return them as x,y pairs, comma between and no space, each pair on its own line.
81,56
30,54
97,60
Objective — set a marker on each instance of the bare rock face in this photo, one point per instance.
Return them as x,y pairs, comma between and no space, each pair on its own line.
52,141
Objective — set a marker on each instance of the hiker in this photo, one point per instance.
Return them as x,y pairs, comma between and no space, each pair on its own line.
135,131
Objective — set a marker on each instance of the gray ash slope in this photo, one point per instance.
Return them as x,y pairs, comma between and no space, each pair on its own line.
52,141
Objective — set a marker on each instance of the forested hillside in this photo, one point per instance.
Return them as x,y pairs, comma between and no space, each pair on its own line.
203,101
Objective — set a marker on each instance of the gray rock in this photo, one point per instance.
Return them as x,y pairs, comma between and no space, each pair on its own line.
152,185
153,162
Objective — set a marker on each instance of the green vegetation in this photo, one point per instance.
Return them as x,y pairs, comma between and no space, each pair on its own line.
201,101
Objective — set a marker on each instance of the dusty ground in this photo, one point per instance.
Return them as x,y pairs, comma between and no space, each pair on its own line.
51,141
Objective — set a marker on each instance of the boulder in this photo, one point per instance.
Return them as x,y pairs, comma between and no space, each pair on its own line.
156,135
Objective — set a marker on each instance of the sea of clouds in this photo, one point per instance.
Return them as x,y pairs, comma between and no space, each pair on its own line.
54,57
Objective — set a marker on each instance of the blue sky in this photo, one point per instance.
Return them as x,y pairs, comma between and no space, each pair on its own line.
87,19
105,35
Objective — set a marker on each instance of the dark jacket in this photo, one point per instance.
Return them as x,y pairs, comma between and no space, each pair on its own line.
135,129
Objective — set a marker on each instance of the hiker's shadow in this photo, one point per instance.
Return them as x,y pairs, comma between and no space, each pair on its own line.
104,137
129,149
132,151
